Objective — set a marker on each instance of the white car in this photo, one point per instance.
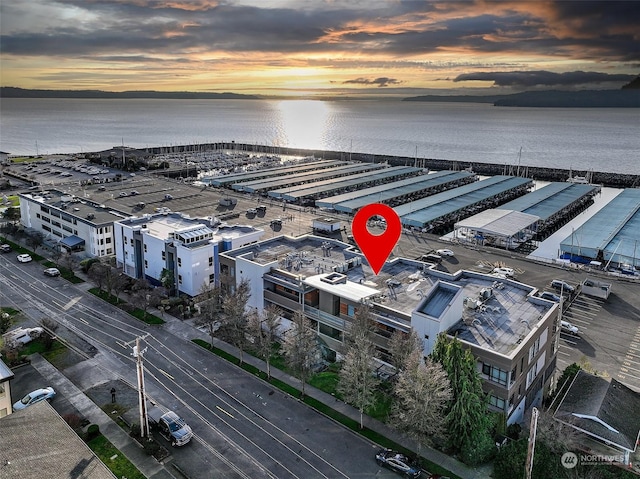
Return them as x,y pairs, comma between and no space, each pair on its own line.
445,252
567,327
24,258
508,272
52,272
34,397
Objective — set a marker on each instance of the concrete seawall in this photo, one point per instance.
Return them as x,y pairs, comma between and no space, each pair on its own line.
614,180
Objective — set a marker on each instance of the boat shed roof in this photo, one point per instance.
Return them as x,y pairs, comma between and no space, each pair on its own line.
269,172
307,177
613,231
499,222
551,199
352,201
295,193
422,212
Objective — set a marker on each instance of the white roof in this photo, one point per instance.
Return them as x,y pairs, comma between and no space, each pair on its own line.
349,290
499,222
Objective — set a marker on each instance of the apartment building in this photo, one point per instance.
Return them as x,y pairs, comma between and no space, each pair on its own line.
145,246
513,334
73,223
6,375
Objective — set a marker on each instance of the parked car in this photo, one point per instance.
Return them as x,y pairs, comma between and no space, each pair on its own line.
567,327
398,462
52,272
171,426
276,222
123,193
508,272
550,296
20,336
445,252
5,248
34,397
24,258
431,258
252,212
562,286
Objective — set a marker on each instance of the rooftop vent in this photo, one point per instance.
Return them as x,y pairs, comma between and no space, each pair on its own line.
334,278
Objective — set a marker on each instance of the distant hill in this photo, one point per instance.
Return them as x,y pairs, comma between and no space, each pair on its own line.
633,84
627,98
12,92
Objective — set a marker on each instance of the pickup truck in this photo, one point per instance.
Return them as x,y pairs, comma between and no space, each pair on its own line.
171,426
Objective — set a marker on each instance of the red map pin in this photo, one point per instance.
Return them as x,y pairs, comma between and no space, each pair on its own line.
376,248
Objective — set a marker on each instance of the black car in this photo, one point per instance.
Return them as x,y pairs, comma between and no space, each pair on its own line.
398,462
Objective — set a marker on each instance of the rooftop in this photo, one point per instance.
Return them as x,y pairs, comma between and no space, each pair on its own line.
498,321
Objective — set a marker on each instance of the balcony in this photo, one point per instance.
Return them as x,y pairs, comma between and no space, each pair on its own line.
281,301
325,318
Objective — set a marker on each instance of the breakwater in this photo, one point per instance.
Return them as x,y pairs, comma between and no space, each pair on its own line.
614,180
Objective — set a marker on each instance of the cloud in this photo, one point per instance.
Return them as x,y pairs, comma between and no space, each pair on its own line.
543,78
381,82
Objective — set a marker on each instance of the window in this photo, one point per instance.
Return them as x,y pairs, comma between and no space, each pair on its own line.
496,402
38,215
126,240
513,374
164,255
180,278
46,228
533,350
46,220
531,375
179,261
210,260
108,240
145,247
109,251
146,264
496,375
211,278
56,223
351,311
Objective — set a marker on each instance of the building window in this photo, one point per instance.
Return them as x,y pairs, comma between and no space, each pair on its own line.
126,240
497,402
210,260
533,350
164,255
109,251
146,264
46,220
179,261
108,240
145,247
531,375
46,228
331,332
224,269
211,278
351,311
180,278
38,215
513,374
496,375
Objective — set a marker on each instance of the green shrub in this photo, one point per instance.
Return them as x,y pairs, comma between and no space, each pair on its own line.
93,431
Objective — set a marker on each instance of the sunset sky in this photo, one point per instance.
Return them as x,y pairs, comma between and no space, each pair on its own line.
319,48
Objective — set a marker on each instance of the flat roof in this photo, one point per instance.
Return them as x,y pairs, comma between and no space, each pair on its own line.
551,199
350,202
402,285
294,193
421,212
613,231
269,172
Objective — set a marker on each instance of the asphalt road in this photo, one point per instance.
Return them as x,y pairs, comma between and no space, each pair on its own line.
243,427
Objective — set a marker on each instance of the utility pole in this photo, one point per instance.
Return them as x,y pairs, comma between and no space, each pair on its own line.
144,421
532,442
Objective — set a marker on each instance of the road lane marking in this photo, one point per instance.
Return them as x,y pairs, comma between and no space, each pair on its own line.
71,302
228,414
166,374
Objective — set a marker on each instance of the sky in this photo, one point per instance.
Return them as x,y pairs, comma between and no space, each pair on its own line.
315,48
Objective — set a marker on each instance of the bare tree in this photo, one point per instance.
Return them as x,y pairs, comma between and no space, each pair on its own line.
210,304
68,261
141,295
48,337
35,240
98,274
357,382
301,348
234,322
557,436
422,395
402,345
264,330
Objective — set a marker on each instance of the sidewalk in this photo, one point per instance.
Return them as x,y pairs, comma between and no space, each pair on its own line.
128,446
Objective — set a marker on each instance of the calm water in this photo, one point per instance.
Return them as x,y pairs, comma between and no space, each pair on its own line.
584,139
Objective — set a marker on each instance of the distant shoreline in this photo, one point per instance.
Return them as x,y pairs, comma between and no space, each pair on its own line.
12,92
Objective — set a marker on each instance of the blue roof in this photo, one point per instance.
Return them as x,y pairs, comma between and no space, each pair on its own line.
72,241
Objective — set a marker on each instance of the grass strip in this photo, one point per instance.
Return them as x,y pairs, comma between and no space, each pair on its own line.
120,466
327,410
136,313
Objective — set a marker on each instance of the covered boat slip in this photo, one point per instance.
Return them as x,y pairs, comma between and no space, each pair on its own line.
271,172
553,202
499,227
398,191
449,206
308,177
612,234
324,188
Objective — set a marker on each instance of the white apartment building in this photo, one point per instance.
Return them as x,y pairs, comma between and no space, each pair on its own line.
189,247
73,223
513,334
6,375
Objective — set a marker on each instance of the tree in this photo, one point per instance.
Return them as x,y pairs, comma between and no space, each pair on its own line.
50,327
141,295
98,274
5,321
168,280
402,345
422,394
301,348
468,422
234,323
210,304
35,240
264,330
357,383
12,214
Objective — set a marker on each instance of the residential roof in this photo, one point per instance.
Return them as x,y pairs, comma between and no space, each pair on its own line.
37,442
606,410
5,372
